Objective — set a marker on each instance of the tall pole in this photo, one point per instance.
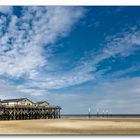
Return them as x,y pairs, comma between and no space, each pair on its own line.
89,112
103,113
107,113
59,114
97,112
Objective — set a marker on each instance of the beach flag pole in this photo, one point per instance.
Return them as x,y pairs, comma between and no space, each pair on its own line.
103,113
107,113
97,112
89,112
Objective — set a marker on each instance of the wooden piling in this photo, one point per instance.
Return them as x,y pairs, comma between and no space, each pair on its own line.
28,112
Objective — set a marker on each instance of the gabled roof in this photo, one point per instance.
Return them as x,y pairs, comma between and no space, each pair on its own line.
14,100
41,102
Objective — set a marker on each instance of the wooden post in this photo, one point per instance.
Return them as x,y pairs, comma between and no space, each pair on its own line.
25,112
89,113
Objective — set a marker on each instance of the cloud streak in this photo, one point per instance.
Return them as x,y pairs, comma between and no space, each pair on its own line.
22,42
22,52
120,45
6,9
114,96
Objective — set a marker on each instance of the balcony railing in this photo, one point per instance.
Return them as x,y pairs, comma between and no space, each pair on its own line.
30,106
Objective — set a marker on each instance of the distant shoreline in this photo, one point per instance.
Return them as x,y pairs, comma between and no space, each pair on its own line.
102,115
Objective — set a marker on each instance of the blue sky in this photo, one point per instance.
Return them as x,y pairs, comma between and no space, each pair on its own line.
75,57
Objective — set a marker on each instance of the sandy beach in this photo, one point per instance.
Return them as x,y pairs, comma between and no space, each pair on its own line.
72,126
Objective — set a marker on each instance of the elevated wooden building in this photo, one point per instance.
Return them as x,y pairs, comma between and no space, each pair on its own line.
23,108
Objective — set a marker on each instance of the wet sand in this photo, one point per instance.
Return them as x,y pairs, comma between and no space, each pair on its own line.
72,126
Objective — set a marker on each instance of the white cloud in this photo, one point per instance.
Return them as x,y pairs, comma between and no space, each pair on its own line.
119,95
80,74
115,96
21,51
123,72
6,9
123,45
7,90
32,92
35,93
